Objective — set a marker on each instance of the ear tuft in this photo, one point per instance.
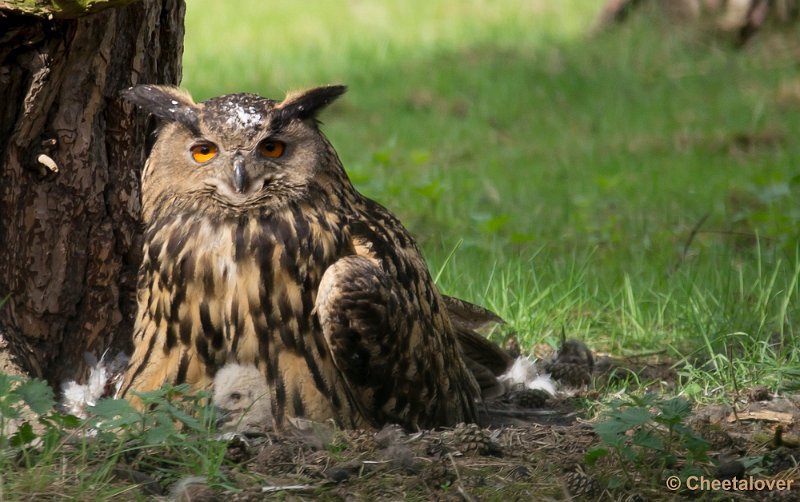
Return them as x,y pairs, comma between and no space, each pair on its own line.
165,102
307,104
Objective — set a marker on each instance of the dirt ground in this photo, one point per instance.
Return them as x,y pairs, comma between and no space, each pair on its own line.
7,363
539,454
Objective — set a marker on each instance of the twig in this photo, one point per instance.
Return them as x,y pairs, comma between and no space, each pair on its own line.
645,354
692,234
286,488
460,488
735,383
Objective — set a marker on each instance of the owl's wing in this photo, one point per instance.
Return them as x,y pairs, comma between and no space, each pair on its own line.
486,360
389,332
361,318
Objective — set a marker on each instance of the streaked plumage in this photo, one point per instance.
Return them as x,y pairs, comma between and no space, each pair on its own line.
277,261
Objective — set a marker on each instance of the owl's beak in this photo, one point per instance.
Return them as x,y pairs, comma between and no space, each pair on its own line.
239,175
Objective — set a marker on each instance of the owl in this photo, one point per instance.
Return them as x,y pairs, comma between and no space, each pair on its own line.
259,251
241,396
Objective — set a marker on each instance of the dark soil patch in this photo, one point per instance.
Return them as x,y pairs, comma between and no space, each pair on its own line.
519,462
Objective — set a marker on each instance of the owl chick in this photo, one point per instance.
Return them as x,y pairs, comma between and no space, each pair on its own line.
241,396
258,250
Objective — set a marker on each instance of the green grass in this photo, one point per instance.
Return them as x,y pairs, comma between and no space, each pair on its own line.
565,173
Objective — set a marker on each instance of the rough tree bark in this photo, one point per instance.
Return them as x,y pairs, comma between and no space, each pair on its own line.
71,154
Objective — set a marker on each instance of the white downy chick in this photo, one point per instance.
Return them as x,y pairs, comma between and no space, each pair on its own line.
242,396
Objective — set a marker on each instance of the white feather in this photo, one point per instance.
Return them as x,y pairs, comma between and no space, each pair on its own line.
76,398
525,373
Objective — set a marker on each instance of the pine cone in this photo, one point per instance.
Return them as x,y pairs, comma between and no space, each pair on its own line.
573,364
277,457
438,474
574,374
360,439
237,451
511,344
529,398
436,449
581,484
781,459
716,438
470,439
520,473
759,393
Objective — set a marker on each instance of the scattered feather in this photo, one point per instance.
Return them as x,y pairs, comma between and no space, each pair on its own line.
105,379
525,373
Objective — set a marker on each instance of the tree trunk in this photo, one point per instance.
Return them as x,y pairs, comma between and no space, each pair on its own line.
71,154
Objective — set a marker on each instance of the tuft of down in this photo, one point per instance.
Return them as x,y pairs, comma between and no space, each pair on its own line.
105,378
524,373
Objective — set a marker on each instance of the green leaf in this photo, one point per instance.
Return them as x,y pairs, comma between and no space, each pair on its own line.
615,482
750,462
8,412
674,410
611,432
594,454
690,470
629,454
151,396
6,381
114,413
37,394
23,436
648,439
187,420
645,402
61,421
162,431
633,417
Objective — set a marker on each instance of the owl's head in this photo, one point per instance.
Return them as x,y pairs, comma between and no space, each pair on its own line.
232,153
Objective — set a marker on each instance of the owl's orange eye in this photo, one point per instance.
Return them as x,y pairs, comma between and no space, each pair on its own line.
271,148
203,152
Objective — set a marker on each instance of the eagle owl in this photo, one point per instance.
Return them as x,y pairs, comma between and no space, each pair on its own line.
259,251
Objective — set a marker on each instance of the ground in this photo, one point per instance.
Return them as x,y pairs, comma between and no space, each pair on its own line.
542,456
531,462
7,363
